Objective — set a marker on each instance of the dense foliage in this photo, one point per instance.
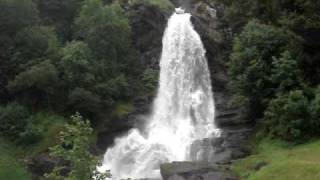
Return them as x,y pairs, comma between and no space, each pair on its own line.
67,56
58,57
274,64
74,148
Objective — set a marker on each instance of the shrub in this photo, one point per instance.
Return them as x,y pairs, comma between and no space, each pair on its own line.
13,120
258,54
162,4
293,116
74,147
150,79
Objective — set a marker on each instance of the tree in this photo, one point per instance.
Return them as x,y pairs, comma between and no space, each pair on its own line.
73,147
36,85
14,15
76,65
13,120
255,53
107,31
286,74
61,14
33,44
293,116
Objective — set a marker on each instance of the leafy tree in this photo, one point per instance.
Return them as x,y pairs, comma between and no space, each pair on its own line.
13,120
76,65
59,13
256,56
293,116
292,13
14,15
73,147
36,84
314,110
107,31
34,43
85,101
286,74
150,79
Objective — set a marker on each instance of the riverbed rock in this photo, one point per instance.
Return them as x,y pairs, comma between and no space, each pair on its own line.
195,171
44,163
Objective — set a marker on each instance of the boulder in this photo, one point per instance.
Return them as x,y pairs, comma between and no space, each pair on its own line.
195,171
44,163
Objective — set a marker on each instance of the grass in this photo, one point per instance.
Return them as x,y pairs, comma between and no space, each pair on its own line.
13,155
11,167
51,125
281,162
122,109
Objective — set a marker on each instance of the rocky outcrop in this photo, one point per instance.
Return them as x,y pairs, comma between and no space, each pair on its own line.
43,163
196,171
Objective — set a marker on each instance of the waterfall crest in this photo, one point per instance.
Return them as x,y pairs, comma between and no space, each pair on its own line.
183,110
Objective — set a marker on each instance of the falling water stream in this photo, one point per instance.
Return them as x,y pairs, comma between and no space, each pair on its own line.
183,110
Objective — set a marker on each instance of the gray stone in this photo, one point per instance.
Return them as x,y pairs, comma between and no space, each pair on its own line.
194,171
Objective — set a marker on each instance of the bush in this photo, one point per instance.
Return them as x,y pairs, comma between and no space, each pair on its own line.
13,120
258,54
31,135
293,116
36,42
150,79
162,4
285,73
74,147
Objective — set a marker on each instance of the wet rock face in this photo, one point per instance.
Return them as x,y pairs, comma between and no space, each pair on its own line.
148,24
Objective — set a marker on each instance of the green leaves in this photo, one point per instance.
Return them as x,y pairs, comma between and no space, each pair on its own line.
286,73
293,116
41,76
106,29
13,120
73,147
261,65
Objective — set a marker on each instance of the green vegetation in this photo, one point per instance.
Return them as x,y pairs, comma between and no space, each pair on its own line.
74,147
273,64
122,110
293,116
162,4
42,133
11,167
254,66
59,57
281,161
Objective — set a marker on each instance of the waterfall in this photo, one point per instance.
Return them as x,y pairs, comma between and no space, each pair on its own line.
183,110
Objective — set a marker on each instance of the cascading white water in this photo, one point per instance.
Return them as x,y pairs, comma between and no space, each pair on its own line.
183,110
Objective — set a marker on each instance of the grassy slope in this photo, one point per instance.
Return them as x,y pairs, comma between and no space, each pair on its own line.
11,167
283,162
12,155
